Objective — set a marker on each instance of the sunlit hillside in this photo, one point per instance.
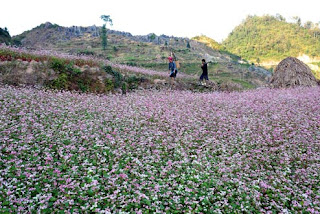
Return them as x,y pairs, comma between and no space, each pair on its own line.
149,51
209,42
266,40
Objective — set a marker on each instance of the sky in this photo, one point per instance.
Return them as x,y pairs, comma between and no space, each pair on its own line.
181,18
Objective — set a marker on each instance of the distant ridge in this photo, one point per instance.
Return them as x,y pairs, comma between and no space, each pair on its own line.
67,33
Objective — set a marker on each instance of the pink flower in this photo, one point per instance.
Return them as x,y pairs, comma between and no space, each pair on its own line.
123,176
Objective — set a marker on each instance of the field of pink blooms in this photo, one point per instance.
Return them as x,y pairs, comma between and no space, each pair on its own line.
160,151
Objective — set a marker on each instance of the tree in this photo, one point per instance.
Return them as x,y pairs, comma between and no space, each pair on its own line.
298,20
106,19
280,17
258,61
104,37
152,37
308,25
5,36
188,44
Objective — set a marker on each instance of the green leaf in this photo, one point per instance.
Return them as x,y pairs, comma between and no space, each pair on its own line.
52,199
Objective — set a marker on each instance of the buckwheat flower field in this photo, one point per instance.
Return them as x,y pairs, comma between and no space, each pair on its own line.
160,152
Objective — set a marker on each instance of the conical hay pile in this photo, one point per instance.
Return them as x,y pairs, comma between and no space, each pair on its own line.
292,72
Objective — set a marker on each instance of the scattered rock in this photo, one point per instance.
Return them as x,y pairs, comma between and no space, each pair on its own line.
159,81
230,86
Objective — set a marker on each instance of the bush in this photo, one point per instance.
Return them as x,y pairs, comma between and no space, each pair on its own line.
85,52
83,85
124,88
71,70
61,82
108,69
108,84
117,76
57,65
131,64
133,82
76,71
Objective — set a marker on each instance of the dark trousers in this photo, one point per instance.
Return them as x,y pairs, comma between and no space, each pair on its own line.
204,76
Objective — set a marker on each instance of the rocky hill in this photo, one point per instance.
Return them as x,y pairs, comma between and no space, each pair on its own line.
146,51
122,46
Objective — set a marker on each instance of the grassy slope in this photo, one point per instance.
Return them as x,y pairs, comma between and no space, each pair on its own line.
123,50
209,42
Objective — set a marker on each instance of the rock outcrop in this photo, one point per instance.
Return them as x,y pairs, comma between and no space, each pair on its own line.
292,72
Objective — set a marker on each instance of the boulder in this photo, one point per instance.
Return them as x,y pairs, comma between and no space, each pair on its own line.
292,72
159,81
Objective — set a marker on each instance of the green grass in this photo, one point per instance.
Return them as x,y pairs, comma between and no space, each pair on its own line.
214,70
244,84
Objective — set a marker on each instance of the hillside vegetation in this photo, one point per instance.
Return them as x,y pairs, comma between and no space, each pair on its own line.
144,52
268,38
209,42
4,36
122,46
20,66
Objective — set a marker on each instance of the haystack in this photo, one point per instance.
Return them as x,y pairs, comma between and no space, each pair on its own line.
292,72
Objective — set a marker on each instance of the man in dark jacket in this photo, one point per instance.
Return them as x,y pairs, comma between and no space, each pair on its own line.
204,74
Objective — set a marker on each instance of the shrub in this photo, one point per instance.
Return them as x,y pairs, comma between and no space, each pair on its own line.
71,70
61,82
69,67
85,52
108,69
83,85
131,63
133,82
108,84
124,88
57,65
116,75
76,71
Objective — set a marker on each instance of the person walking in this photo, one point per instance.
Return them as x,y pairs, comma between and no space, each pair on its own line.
204,74
172,69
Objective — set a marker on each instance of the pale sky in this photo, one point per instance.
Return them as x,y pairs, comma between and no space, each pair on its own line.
182,18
